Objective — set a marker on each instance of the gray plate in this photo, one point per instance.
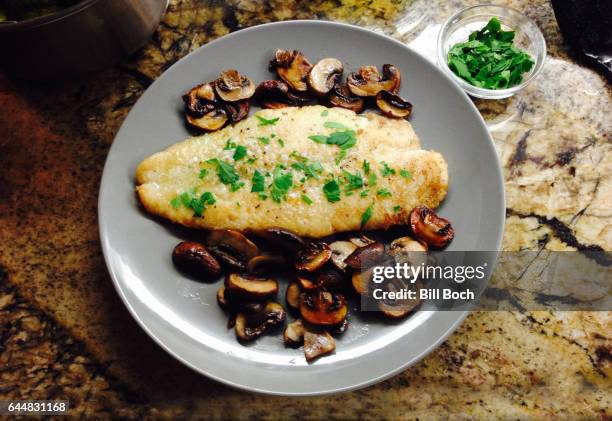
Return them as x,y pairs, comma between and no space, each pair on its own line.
182,315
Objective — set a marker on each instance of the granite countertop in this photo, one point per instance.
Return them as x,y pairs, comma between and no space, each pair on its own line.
64,333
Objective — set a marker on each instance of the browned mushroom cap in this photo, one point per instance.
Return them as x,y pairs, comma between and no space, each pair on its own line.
292,295
330,278
408,250
312,257
221,299
321,307
306,284
266,263
427,226
251,325
399,307
392,105
248,287
341,96
282,239
293,336
232,242
197,98
324,75
340,251
212,119
237,110
367,81
227,259
365,257
317,344
292,67
193,258
361,241
232,86
361,281
276,94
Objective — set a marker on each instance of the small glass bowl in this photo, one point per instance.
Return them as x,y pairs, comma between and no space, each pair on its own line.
528,37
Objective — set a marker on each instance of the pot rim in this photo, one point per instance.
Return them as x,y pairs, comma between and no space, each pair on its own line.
47,19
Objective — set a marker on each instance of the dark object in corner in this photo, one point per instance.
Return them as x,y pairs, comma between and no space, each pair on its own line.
587,27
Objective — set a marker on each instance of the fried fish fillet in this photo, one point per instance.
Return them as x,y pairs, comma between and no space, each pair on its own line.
378,180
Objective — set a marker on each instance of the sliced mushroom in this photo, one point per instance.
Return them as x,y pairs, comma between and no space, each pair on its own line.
276,94
361,241
393,105
233,242
248,287
292,295
367,81
408,250
324,308
194,258
365,257
330,278
222,300
237,110
427,226
198,98
227,259
306,284
361,281
341,96
292,67
317,344
312,257
251,326
400,307
282,239
212,119
293,336
232,86
324,75
340,251
339,329
266,263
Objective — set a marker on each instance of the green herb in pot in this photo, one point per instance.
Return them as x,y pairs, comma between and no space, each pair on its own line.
489,59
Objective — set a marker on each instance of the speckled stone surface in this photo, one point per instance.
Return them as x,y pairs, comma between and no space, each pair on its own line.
65,334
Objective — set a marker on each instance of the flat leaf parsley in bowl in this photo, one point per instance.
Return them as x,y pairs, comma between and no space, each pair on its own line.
491,51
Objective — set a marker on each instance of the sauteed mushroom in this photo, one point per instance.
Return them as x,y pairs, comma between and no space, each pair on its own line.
222,300
266,263
324,75
361,241
251,325
365,257
392,105
292,295
341,96
237,110
361,281
276,94
232,86
212,119
232,242
427,226
317,344
340,251
227,259
306,284
282,239
293,336
292,67
398,308
321,307
249,287
408,250
197,98
193,258
312,257
330,278
367,81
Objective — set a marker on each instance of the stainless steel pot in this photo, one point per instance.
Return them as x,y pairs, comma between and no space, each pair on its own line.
79,39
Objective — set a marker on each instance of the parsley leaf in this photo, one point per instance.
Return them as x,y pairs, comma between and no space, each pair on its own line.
319,138
227,174
324,113
340,156
366,167
264,139
372,179
265,122
383,193
364,193
386,170
406,174
258,181
332,191
367,214
334,125
229,145
203,173
397,208
354,181
239,153
281,142
281,183
307,199
176,202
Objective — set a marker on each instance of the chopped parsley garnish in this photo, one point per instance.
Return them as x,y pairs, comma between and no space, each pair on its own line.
397,208
367,214
335,125
227,174
383,193
265,122
239,153
307,199
281,183
251,160
372,179
406,174
190,200
281,142
332,191
264,139
364,193
312,169
259,182
324,113
263,196
319,138
236,186
366,167
344,139
176,202
489,59
353,181
340,156
386,170
203,173
229,145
